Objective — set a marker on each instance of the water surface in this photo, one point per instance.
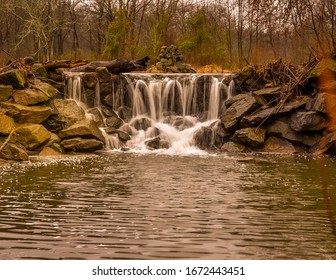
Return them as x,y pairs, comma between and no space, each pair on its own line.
131,206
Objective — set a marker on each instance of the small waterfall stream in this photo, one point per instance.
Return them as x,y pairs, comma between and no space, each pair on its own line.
162,113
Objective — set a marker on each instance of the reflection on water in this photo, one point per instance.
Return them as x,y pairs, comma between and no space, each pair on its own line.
128,206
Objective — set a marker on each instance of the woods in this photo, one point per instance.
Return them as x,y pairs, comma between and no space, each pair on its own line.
229,33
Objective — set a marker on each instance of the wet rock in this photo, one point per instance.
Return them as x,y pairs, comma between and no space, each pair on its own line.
106,89
108,100
6,125
89,96
307,121
15,78
31,136
114,121
68,113
25,114
5,92
238,110
153,143
107,111
279,146
82,145
270,114
282,129
203,138
84,129
233,147
182,123
164,144
103,75
128,129
251,137
123,136
125,113
141,123
89,80
96,116
13,151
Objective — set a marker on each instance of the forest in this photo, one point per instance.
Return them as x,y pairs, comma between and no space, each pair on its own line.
229,33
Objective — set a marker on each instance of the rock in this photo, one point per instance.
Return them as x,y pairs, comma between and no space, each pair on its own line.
141,123
82,145
268,92
238,110
203,138
323,103
153,143
5,92
164,144
105,89
181,123
108,100
279,146
30,97
233,147
114,121
125,113
25,114
6,125
307,121
252,137
13,77
31,136
84,129
234,99
123,136
68,113
40,71
89,80
270,114
327,145
28,60
50,90
103,75
96,116
281,128
48,151
12,151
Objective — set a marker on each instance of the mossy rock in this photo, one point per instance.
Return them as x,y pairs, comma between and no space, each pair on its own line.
40,71
14,77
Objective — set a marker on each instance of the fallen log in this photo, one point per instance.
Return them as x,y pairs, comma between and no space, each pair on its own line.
116,66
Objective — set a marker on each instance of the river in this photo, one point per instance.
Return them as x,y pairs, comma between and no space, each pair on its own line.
118,205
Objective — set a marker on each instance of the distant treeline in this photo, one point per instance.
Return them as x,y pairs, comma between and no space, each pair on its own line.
225,32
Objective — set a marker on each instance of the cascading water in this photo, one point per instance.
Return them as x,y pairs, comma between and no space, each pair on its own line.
166,111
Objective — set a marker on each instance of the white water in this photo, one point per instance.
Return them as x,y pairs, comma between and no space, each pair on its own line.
171,107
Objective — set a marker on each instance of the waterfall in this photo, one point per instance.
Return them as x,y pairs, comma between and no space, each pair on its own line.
169,113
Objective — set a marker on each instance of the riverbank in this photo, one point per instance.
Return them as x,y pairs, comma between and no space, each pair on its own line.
276,108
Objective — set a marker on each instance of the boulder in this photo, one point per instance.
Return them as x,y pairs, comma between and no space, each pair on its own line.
251,137
125,113
6,125
307,121
203,138
11,151
108,100
123,136
25,114
48,89
153,143
84,129
270,114
82,145
40,71
233,147
68,113
279,146
14,77
114,121
30,136
238,110
5,92
281,128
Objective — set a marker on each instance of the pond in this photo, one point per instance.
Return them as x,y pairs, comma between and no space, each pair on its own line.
118,205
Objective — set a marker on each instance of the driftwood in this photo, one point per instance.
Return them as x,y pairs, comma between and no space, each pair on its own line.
116,66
